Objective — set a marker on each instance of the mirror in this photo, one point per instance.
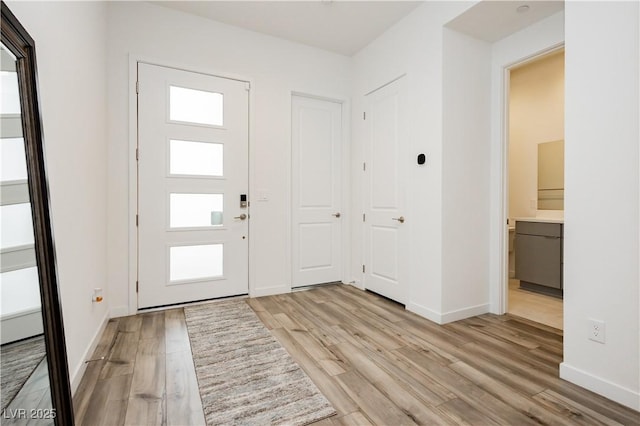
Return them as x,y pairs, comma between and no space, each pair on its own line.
551,175
34,380
23,349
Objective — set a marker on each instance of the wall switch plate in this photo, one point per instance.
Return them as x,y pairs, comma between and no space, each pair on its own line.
596,331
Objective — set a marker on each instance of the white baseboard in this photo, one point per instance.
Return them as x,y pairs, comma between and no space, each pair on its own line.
357,284
444,318
79,370
269,291
120,311
463,313
424,312
614,392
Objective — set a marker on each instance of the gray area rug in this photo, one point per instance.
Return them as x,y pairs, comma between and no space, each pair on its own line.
245,376
17,362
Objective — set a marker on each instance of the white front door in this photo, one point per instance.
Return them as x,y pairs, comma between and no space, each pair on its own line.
316,191
385,231
192,173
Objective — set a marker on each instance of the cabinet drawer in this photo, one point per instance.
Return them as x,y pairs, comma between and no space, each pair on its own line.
539,228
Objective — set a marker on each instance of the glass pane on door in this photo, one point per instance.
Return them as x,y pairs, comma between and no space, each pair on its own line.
195,210
195,106
195,262
196,158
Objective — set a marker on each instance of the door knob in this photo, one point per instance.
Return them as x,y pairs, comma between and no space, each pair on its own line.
399,219
336,214
241,217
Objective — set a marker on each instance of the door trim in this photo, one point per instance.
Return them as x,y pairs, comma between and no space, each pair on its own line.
346,276
500,290
132,307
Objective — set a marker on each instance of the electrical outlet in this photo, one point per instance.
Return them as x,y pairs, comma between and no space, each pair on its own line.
596,331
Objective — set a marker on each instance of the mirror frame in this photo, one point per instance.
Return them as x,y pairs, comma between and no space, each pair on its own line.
22,46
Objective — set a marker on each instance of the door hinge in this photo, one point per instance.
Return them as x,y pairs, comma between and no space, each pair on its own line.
364,167
364,115
364,217
137,285
137,154
138,87
363,269
137,220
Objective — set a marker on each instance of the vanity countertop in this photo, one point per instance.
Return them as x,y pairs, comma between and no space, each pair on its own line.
538,219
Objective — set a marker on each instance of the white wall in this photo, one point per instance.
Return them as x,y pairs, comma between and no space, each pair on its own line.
601,202
536,115
71,51
466,146
275,66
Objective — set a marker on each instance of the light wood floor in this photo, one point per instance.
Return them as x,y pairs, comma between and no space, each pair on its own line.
376,363
535,306
34,395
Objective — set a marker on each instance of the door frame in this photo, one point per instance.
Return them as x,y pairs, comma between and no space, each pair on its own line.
500,290
134,59
344,199
346,179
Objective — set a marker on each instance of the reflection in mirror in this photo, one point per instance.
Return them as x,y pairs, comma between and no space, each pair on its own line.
24,376
551,175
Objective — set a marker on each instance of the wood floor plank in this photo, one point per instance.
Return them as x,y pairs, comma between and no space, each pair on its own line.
152,326
116,413
525,405
370,400
147,397
577,412
143,411
325,383
464,414
465,389
374,361
402,397
93,370
121,357
324,357
184,405
355,418
347,299
176,335
268,320
428,390
285,321
117,401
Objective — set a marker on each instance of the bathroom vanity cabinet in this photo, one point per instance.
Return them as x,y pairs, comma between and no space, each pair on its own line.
538,253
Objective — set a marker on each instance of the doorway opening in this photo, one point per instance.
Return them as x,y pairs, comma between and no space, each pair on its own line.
535,196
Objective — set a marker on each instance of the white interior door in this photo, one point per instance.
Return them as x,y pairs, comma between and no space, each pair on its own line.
316,191
192,171
386,233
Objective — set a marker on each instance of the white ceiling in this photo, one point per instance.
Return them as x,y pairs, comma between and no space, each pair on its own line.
343,27
493,20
